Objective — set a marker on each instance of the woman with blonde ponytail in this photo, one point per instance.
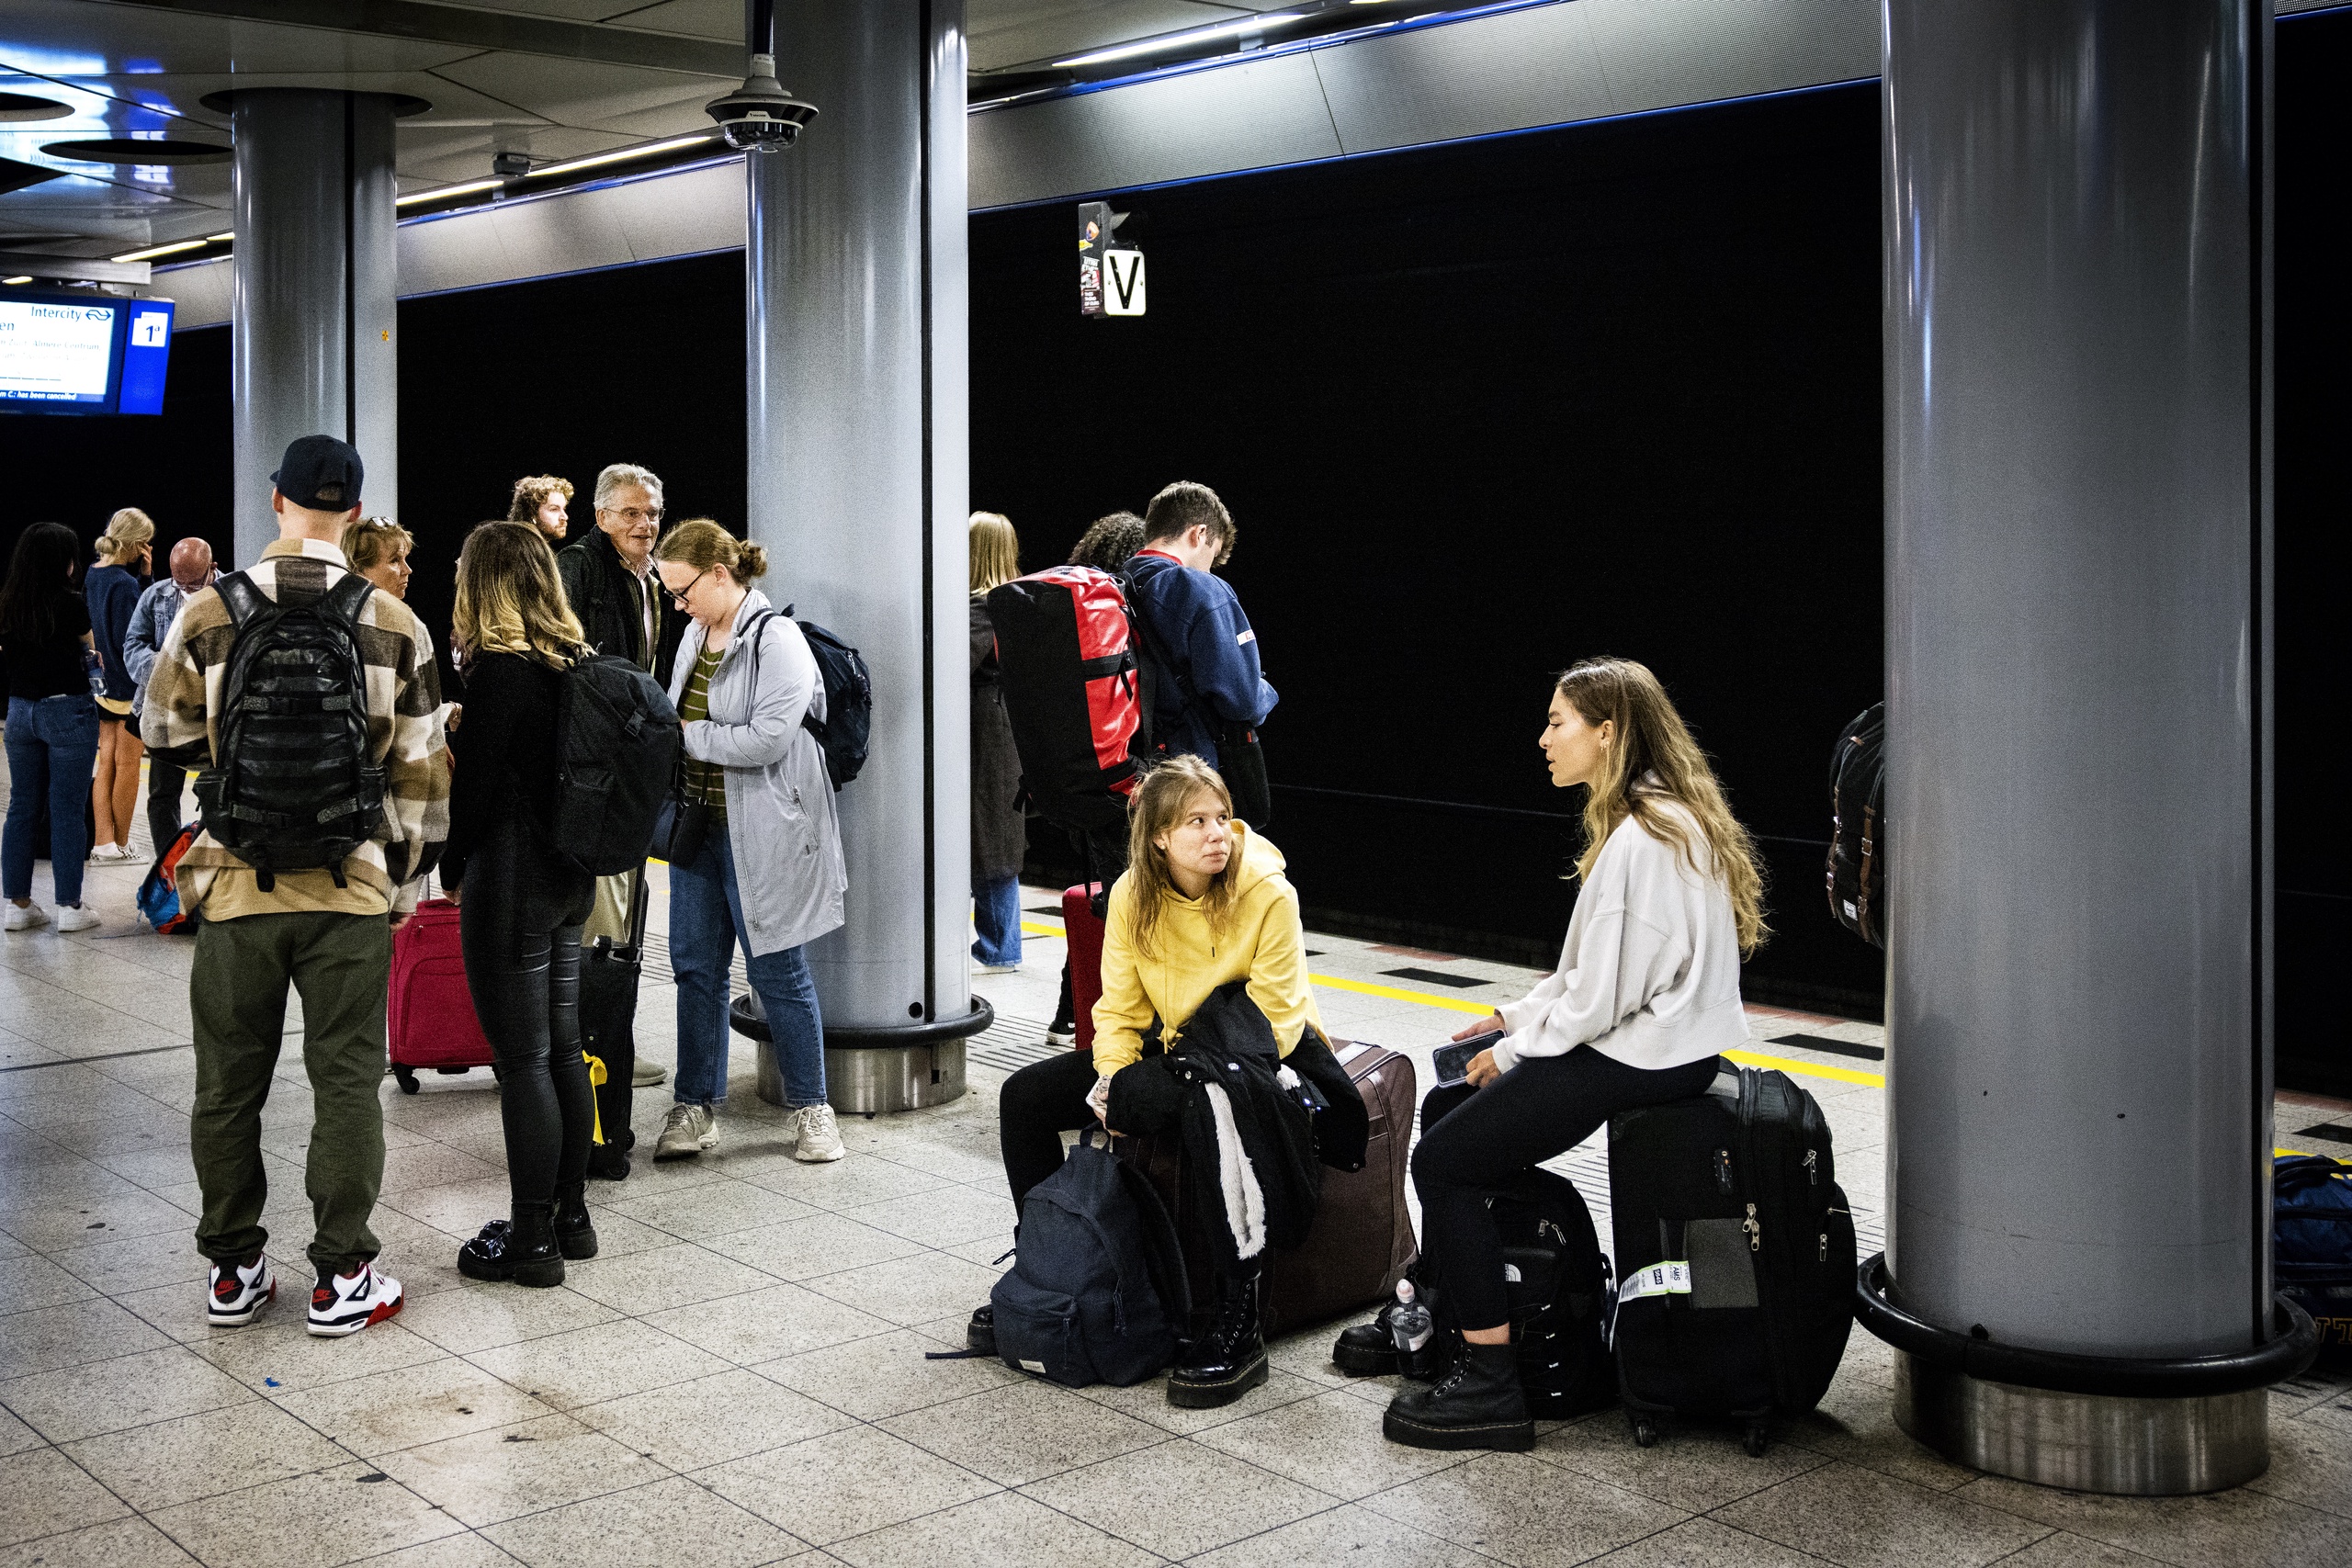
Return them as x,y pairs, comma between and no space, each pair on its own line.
126,557
1646,997
757,857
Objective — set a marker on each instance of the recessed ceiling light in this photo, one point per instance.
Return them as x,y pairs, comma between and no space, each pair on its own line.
645,152
468,188
26,279
131,149
25,107
151,252
1185,40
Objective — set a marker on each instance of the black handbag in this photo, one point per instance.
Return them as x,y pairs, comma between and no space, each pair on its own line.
679,829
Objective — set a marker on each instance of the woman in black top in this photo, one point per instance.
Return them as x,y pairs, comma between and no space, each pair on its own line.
52,725
522,903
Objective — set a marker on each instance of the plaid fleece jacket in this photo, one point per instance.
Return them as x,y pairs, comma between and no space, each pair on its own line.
180,724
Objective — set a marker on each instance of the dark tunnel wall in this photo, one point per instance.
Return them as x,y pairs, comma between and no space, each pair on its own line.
1480,410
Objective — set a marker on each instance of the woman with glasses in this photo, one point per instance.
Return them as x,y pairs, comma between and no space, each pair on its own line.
757,854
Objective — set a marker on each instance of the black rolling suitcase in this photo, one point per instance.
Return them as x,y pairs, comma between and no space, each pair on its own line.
1734,1256
608,976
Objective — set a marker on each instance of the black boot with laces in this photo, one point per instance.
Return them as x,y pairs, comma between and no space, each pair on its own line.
1477,1405
1229,1360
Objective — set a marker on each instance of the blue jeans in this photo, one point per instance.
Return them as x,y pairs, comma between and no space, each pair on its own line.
53,755
706,921
996,909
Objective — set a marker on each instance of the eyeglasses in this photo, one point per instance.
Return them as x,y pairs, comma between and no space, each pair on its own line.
636,514
678,595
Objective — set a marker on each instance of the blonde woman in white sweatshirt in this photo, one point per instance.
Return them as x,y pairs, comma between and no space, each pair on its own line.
1645,996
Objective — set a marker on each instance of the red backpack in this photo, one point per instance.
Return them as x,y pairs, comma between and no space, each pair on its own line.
1071,690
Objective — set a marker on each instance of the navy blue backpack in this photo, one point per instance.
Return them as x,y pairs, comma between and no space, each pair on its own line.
1098,1286
2312,1201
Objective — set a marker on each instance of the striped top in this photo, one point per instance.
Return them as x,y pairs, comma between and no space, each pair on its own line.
706,781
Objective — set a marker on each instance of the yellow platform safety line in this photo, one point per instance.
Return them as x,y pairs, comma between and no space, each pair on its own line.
1809,1069
1030,928
1399,994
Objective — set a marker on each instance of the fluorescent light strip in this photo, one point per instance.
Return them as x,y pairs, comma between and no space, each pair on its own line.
436,194
13,281
154,251
216,239
1181,41
645,152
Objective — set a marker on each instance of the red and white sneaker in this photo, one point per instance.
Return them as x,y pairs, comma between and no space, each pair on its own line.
347,1303
238,1293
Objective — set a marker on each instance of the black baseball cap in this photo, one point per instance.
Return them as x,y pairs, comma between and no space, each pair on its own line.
320,463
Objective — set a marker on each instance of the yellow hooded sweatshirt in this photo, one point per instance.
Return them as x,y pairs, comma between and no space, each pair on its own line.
1264,942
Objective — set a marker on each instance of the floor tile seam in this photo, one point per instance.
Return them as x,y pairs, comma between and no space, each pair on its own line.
878,1424
994,1487
463,1529
151,1519
668,1473
1820,1460
249,1393
1948,1495
120,1500
674,1474
1022,1492
1751,1535
348,1458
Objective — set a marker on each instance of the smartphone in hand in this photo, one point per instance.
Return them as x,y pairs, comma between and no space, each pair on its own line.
1452,1062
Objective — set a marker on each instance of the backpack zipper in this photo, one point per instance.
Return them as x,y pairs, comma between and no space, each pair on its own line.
1755,1230
1813,1167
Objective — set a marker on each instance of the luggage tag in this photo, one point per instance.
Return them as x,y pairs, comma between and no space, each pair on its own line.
1657,1279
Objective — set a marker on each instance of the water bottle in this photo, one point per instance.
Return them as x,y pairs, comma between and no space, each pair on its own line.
1409,1321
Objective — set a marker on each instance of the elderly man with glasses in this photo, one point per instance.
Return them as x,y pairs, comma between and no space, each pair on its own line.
608,576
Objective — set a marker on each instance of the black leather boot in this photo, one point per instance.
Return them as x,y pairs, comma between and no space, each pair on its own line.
608,1162
1229,1360
979,1335
1477,1405
521,1250
1369,1349
575,1232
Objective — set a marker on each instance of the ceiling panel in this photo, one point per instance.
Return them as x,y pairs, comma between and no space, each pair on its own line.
75,38
433,155
698,18
1016,32
588,93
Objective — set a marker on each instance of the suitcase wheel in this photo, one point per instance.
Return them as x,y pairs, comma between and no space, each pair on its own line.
407,1079
1756,1440
452,1072
1644,1435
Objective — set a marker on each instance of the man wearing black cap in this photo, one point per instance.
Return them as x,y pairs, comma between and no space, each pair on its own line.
322,928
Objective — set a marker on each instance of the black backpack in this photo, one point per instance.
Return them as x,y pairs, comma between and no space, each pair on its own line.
617,741
848,723
292,786
1857,827
1559,1291
1098,1289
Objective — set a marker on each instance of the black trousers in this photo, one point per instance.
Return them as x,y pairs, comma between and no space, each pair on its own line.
522,910
1474,1141
1037,1106
166,787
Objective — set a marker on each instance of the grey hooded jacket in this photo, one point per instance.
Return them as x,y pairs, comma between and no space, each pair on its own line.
780,820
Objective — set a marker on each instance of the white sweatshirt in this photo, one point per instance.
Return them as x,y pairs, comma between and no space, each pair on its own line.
1649,975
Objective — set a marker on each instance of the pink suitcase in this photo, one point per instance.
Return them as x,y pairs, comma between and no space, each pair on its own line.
432,1021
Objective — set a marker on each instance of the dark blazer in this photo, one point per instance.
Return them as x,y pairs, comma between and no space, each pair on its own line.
604,596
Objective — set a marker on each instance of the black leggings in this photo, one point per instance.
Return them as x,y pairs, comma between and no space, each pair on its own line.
1037,1106
1474,1141
522,910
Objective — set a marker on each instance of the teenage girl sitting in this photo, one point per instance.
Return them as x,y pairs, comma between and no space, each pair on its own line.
1646,994
1202,902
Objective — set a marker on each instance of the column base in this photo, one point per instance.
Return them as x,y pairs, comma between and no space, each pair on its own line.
2085,1442
875,1070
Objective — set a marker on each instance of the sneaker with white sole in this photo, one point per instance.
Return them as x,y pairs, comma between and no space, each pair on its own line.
346,1303
25,917
688,1130
110,855
647,1074
819,1138
239,1291
76,918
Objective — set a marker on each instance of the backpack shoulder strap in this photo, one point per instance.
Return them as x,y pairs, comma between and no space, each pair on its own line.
244,601
344,600
1141,620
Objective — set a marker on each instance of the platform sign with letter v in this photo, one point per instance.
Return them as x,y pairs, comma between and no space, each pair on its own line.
1122,285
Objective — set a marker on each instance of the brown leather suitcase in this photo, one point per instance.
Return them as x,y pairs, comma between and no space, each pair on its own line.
1361,1241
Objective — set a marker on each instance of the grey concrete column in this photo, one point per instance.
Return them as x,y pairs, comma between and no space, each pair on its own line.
2078,692
313,345
858,418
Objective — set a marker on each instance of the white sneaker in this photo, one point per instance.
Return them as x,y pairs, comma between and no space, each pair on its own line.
76,918
110,855
28,916
1063,1035
688,1130
239,1291
349,1303
979,968
820,1140
647,1074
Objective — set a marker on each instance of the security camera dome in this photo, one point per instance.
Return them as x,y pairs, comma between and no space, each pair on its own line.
760,115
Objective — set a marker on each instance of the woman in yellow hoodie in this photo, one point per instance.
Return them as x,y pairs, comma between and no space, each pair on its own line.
1202,902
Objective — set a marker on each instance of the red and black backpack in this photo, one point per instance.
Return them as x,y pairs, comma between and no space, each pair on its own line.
1073,693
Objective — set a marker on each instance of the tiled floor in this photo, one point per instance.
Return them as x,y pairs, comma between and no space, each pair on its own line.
740,1379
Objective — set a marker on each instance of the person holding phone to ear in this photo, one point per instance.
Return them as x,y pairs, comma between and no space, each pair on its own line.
1646,997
